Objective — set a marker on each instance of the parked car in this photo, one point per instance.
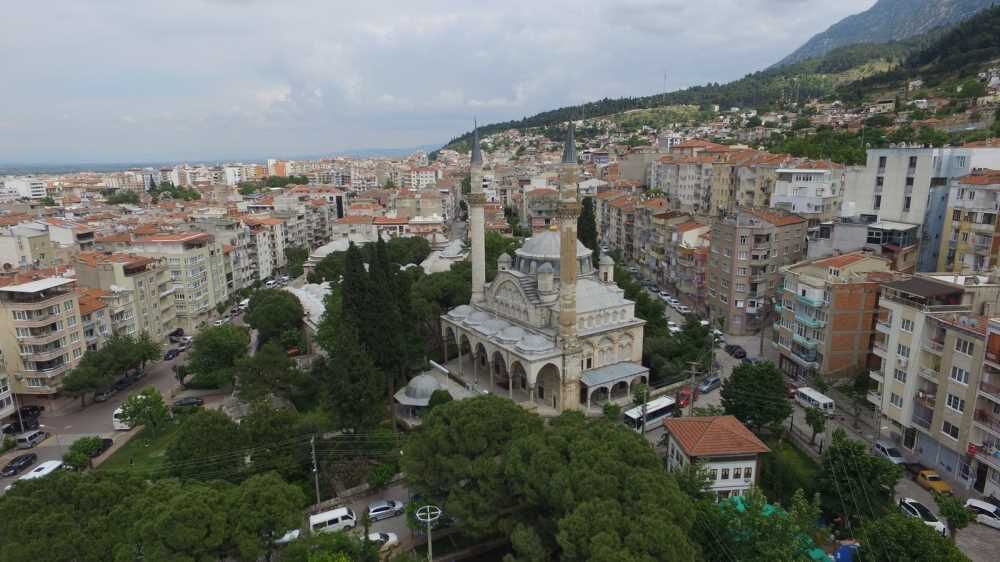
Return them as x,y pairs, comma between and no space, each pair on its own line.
105,445
736,351
170,354
709,384
384,509
18,427
684,396
30,411
385,541
986,513
121,384
288,537
104,395
912,508
931,481
886,450
683,309
219,322
18,464
188,402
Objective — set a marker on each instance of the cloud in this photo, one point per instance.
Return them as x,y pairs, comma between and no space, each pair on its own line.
211,79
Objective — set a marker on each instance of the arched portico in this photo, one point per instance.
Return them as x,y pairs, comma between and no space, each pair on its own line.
619,390
498,372
519,379
547,386
450,344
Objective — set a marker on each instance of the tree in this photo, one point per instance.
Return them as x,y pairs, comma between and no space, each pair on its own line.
124,197
86,378
604,494
145,349
81,452
354,387
269,371
187,525
694,480
897,538
453,461
853,482
268,429
206,447
47,201
330,547
264,508
756,395
296,257
816,420
954,513
273,312
216,350
972,88
434,294
147,409
438,398
749,529
586,228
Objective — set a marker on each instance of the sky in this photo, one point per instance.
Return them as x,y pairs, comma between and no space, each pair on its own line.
170,80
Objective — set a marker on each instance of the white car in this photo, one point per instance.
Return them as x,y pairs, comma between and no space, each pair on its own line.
288,537
385,541
886,450
985,512
219,322
912,508
683,309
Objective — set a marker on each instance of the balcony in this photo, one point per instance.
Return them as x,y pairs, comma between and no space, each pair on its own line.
987,421
810,301
921,421
875,398
42,338
926,398
880,349
877,374
805,342
810,321
45,354
990,391
47,373
980,227
883,327
933,346
37,321
989,456
928,372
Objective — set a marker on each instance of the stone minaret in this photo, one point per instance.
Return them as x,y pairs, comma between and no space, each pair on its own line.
477,220
566,216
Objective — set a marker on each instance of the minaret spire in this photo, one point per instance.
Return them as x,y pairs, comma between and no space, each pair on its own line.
567,214
477,218
569,147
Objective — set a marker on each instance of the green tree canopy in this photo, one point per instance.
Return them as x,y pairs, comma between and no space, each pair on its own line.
269,371
354,386
897,538
81,452
206,447
454,460
217,349
853,482
264,508
296,257
273,312
586,227
123,197
146,408
756,395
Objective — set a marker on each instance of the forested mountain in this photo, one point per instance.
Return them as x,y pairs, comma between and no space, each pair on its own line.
888,20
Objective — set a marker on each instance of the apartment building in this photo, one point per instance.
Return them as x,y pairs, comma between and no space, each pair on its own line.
136,289
931,343
746,253
602,211
410,204
27,187
687,181
971,231
683,271
894,241
235,238
810,189
909,185
41,334
825,316
621,226
984,437
67,234
22,246
266,245
196,265
6,392
644,237
94,317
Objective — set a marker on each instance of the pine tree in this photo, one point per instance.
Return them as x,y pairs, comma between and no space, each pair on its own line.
586,227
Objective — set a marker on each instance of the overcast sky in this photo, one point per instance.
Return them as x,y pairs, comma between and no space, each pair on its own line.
160,80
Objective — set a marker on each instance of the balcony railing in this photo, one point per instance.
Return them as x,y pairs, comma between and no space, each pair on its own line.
992,391
804,341
929,372
883,327
988,421
880,348
875,397
924,422
927,399
810,321
877,375
934,346
809,300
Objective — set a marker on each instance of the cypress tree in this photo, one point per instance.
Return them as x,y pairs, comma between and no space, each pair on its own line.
586,227
354,288
353,382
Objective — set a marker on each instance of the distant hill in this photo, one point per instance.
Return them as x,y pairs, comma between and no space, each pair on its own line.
888,20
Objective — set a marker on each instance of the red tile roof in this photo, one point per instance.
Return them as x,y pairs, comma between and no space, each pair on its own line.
355,219
713,436
94,258
689,225
981,177
840,261
167,238
777,219
90,299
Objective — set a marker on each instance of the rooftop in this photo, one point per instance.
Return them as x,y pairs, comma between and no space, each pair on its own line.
172,238
90,299
923,287
38,285
712,436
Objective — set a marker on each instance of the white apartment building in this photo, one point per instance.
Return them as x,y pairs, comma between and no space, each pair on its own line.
266,246
41,337
6,392
812,190
232,175
196,264
984,438
235,237
27,187
24,246
728,451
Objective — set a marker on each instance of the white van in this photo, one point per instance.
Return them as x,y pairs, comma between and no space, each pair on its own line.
339,519
271,284
43,469
244,303
809,398
29,439
118,422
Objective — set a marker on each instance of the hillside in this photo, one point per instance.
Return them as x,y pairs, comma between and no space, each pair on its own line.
888,20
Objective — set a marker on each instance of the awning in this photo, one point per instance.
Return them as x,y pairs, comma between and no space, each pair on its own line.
610,374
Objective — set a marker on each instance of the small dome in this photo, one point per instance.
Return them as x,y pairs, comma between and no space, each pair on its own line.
422,386
505,258
477,318
511,334
606,260
546,268
493,326
460,311
534,344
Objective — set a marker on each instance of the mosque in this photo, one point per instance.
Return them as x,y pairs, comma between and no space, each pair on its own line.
551,330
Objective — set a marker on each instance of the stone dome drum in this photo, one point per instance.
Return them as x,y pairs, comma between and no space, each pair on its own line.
543,248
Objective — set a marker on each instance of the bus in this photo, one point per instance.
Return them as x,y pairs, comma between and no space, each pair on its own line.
809,398
656,410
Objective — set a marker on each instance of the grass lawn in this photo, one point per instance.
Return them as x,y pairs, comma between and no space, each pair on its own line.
142,453
784,470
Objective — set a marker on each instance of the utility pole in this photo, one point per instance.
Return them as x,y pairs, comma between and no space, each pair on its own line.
312,444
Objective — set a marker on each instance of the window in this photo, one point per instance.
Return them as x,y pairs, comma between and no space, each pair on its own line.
906,203
913,162
956,215
964,346
748,473
4,386
71,321
725,474
741,287
956,403
744,255
736,473
23,332
713,474
744,240
739,304
950,430
896,400
742,271
877,203
903,350
960,375
74,337
21,315
77,353
909,182
879,181
906,325
68,305
899,375
35,382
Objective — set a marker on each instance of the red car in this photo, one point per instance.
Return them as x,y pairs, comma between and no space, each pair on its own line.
684,396
791,388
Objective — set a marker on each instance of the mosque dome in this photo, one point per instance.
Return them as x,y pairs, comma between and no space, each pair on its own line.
493,326
511,334
460,311
545,246
546,268
606,260
534,344
418,391
476,318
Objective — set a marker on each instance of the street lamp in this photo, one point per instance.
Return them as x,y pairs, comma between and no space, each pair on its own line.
429,514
